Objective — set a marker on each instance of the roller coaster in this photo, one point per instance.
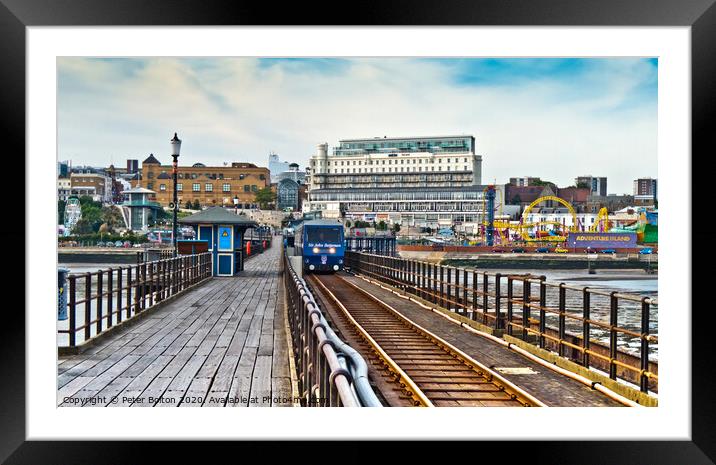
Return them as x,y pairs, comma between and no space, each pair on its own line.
557,233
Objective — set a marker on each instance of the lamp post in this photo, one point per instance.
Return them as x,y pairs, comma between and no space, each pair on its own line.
236,204
176,147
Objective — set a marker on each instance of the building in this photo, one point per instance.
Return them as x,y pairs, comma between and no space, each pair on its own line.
276,166
417,162
292,173
598,186
95,181
428,207
560,215
132,166
139,208
409,180
525,181
209,185
287,195
645,191
64,188
63,169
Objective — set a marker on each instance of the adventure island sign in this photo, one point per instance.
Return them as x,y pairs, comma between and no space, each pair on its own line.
601,240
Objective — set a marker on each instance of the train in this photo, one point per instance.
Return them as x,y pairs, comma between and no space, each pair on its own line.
321,245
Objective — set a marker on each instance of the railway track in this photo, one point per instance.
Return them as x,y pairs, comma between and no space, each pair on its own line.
424,369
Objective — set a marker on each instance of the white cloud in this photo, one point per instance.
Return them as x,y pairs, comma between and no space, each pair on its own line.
235,109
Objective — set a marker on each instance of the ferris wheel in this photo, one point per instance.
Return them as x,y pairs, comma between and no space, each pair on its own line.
73,212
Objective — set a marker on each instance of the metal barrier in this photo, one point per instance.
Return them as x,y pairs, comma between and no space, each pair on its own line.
331,373
109,297
573,321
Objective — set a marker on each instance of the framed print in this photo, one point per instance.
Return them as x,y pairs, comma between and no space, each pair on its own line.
499,204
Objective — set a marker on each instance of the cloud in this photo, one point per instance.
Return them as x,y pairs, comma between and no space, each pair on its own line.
554,118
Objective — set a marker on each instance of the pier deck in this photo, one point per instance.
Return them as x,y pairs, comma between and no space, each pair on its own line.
221,344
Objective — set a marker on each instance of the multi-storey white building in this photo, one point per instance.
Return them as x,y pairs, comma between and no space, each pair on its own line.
422,181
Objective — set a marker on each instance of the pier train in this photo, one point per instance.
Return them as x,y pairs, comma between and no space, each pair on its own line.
321,245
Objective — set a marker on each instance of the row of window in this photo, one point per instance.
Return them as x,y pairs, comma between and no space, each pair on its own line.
150,175
397,170
208,187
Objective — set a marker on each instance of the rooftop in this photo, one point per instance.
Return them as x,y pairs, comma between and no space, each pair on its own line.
217,215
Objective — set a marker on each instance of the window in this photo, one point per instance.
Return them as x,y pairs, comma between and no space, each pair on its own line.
196,187
150,185
180,187
226,187
162,187
247,188
208,187
254,188
262,177
150,175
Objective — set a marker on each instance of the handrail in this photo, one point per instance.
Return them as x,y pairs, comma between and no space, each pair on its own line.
539,312
331,373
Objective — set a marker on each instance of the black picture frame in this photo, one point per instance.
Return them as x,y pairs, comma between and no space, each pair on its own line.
700,15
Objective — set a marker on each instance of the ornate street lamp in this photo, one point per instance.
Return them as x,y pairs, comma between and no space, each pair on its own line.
176,147
236,204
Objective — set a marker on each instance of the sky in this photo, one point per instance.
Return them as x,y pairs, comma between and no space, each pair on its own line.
554,118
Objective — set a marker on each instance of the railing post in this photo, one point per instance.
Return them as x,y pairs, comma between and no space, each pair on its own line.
643,379
120,277
485,301
73,316
474,296
151,283
88,305
129,294
442,286
526,300
464,292
498,295
110,295
542,312
100,291
586,307
449,288
510,296
613,309
562,318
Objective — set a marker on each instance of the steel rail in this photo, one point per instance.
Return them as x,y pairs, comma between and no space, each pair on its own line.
480,369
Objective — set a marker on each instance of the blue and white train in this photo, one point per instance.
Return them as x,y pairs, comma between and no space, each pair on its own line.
321,244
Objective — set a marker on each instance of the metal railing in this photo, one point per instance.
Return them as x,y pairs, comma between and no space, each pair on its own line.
607,331
97,301
330,373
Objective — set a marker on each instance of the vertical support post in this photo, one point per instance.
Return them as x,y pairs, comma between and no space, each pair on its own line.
498,295
614,306
474,295
526,299
110,295
510,296
643,379
485,301
120,273
442,286
73,316
449,288
586,307
100,291
562,318
464,292
129,293
88,305
151,283
542,312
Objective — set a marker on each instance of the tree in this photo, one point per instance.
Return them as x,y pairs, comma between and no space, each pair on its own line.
348,223
381,226
61,211
264,197
396,227
197,205
83,226
188,205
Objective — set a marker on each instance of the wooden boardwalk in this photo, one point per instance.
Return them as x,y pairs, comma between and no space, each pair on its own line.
221,344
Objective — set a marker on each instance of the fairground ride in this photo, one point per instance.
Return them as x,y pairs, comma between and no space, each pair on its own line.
73,212
553,235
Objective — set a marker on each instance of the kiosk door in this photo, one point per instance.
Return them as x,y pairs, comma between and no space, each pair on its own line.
225,249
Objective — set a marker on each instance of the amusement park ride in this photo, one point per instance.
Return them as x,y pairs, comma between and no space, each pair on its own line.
535,231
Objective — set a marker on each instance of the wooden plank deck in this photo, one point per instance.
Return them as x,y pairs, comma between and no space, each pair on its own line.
221,344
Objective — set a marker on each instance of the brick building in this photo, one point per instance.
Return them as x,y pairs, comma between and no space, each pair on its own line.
210,185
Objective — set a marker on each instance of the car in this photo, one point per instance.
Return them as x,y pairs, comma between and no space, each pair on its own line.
518,250
609,251
590,251
118,243
542,250
109,244
100,244
498,250
561,250
127,244
646,251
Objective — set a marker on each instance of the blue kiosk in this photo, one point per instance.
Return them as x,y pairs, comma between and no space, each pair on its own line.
224,232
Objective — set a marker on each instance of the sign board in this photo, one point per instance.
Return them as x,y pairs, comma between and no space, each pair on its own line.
601,240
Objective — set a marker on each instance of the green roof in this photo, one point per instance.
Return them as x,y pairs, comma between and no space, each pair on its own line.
218,215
